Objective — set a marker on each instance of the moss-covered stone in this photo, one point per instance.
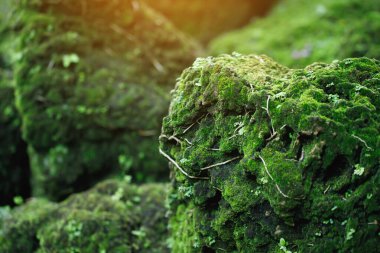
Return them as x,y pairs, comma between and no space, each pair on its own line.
92,87
14,165
271,159
300,32
112,217
207,19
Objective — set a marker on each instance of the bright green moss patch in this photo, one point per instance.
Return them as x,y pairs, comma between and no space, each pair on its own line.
92,86
301,32
207,19
270,159
112,217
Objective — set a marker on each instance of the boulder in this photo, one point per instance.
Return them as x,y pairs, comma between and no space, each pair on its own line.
270,159
114,216
92,86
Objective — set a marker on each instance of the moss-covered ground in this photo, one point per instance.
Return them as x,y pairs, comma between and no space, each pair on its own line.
271,159
300,32
113,217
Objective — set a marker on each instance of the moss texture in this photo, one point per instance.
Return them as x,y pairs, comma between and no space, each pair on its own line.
271,159
92,86
207,19
112,217
300,32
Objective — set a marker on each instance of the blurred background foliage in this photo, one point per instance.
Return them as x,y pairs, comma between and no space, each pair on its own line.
84,85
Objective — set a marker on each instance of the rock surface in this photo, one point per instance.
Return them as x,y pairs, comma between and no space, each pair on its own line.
270,159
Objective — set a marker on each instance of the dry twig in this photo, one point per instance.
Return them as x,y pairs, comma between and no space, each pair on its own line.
278,187
221,163
270,118
363,141
179,167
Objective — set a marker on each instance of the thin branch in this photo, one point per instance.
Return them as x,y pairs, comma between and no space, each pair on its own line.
173,137
221,163
326,190
188,142
265,167
187,129
302,155
363,141
238,128
214,149
233,136
283,194
191,126
270,118
179,167
278,187
272,137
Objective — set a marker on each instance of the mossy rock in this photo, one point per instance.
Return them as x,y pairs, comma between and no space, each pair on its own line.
207,19
92,87
14,165
271,159
112,217
300,32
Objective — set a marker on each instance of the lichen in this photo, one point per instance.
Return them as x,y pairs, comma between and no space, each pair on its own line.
114,217
300,32
275,158
206,19
92,86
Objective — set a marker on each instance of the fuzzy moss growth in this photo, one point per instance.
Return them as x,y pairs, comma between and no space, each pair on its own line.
207,19
261,152
300,32
112,217
92,88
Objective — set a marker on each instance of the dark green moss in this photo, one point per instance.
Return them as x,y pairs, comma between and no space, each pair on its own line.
92,87
112,217
301,32
274,159
207,19
14,165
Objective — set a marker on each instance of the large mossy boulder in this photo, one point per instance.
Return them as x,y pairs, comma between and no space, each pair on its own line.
270,159
207,19
300,32
92,87
113,217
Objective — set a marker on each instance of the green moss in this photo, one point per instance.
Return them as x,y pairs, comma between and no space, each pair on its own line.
301,32
112,217
207,19
92,87
268,152
14,167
